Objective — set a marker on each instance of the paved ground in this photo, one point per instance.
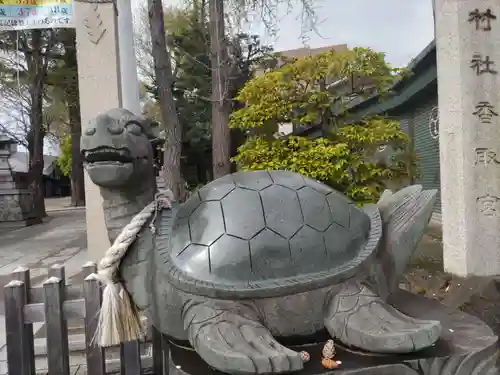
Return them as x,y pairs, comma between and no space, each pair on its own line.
61,239
52,204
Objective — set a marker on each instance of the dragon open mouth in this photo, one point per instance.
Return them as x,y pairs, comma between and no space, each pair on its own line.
107,154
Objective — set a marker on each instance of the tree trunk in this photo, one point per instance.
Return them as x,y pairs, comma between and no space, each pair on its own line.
220,105
163,72
75,122
37,131
77,177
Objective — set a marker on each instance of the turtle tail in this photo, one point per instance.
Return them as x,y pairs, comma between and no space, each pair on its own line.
405,216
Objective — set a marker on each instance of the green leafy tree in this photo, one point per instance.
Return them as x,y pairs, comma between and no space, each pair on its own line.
316,91
64,161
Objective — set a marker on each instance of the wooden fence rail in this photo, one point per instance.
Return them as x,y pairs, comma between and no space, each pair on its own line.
54,303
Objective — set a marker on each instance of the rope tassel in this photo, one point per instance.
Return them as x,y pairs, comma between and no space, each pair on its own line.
119,319
110,329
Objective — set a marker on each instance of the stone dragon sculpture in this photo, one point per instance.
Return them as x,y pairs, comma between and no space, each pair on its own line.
252,257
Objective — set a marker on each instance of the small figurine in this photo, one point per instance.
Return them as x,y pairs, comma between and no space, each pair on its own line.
330,364
328,352
305,356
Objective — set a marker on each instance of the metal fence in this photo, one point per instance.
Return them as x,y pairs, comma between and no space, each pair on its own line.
54,303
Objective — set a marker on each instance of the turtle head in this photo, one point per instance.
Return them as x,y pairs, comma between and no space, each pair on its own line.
116,148
405,217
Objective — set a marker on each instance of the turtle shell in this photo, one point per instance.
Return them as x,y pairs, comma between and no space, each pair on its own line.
268,233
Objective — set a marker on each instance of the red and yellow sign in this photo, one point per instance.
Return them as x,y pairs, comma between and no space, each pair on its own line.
35,14
35,3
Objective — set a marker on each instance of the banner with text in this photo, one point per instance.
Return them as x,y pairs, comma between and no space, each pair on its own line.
35,14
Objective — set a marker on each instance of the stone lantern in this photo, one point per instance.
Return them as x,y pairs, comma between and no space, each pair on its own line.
15,203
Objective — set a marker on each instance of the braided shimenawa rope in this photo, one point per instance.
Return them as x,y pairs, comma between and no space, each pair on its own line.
119,319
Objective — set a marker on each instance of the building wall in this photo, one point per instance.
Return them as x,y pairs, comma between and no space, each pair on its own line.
419,122
426,143
302,52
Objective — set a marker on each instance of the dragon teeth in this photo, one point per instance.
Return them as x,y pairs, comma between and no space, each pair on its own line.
107,149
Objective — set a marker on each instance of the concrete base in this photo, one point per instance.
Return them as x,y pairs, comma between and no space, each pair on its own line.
468,346
15,209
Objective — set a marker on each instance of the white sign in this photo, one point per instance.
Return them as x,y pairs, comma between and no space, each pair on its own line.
35,14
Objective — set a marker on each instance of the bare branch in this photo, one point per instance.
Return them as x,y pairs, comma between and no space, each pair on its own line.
270,12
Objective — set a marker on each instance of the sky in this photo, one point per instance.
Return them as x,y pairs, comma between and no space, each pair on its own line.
400,28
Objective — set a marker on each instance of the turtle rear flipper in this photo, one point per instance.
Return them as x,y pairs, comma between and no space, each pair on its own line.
405,216
229,337
360,318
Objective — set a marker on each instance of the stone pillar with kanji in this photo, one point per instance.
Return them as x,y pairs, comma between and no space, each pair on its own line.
468,66
100,90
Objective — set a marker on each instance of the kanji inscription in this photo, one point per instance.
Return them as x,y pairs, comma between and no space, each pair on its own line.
434,123
482,19
482,66
485,112
485,156
488,204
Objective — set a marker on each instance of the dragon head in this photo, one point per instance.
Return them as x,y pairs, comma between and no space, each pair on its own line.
116,148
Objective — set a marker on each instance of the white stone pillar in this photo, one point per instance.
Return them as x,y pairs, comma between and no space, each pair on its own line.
99,81
468,66
434,14
128,64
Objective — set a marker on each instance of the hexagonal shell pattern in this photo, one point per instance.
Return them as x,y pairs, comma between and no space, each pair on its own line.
189,206
243,213
315,209
256,180
270,256
291,180
206,223
282,210
267,234
218,189
307,245
233,265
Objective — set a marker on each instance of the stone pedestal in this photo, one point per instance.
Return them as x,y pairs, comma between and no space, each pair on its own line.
15,203
468,66
468,346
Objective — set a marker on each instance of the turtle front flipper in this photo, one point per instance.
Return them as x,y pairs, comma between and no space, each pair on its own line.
229,337
358,317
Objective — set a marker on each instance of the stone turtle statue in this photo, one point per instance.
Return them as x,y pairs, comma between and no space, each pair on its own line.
254,256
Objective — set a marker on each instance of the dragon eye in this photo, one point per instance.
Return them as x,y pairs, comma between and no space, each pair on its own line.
134,128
